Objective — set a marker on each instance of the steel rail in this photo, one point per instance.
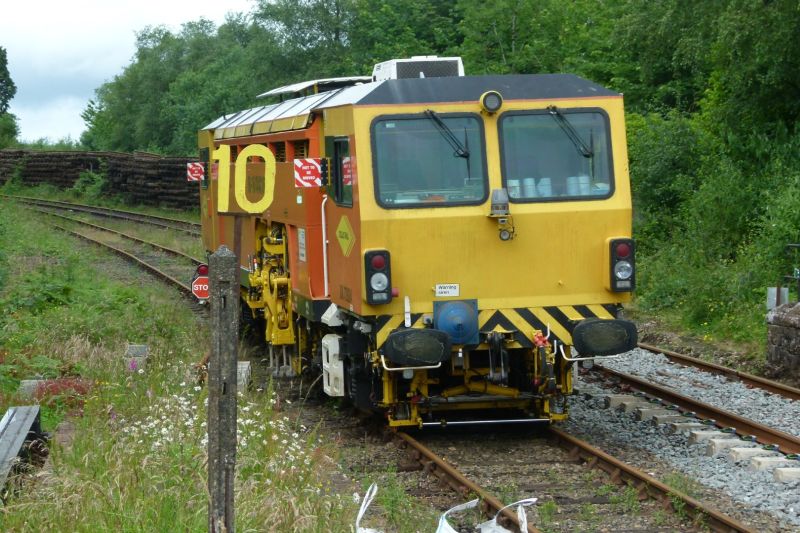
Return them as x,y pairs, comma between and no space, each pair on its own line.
647,485
620,472
171,251
734,375
192,228
447,473
787,443
177,221
150,268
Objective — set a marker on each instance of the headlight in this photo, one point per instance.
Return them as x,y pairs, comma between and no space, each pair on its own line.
379,281
491,101
623,270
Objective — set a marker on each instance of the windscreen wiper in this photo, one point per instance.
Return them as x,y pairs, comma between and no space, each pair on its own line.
459,149
566,125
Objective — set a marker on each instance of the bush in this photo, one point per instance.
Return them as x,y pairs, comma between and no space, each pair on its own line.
665,155
728,245
90,184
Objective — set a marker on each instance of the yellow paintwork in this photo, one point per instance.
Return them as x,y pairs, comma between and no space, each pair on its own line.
558,254
272,287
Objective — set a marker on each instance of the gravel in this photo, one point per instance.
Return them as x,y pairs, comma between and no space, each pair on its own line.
750,492
753,403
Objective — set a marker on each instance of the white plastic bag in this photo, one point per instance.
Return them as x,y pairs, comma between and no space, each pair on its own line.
493,527
444,525
368,497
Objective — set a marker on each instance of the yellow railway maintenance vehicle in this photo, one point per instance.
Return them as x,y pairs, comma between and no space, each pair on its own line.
440,248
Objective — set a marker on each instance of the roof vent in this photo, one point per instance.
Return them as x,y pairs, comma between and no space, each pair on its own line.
418,67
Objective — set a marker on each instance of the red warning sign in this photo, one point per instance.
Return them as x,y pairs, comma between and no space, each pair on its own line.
200,287
347,171
194,172
307,172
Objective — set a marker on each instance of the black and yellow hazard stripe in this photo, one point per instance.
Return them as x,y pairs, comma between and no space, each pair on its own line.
525,320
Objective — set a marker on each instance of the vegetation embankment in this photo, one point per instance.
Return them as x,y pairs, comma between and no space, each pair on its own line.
137,458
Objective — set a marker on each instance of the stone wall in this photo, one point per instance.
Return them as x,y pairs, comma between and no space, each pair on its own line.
140,178
783,340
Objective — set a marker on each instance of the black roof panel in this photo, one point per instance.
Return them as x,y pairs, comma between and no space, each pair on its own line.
470,88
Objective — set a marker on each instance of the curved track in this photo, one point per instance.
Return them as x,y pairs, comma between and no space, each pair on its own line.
192,228
150,256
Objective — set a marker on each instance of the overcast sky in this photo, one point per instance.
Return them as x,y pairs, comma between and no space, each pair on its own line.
60,51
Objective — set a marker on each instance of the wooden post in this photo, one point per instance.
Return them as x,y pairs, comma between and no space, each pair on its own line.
224,299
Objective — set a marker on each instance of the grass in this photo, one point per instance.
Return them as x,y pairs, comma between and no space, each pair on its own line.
684,485
547,512
627,500
137,461
393,508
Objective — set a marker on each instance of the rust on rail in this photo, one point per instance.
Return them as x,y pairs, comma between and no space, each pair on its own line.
715,520
734,375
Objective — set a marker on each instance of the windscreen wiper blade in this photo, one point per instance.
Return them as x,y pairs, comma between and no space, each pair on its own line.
459,149
568,128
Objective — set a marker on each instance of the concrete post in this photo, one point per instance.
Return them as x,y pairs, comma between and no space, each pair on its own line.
224,299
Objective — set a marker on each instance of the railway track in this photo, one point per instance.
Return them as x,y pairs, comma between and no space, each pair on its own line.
192,228
166,263
733,375
661,398
557,469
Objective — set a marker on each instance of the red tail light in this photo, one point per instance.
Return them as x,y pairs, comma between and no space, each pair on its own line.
378,262
623,265
378,277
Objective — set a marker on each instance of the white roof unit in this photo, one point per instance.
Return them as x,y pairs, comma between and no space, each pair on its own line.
325,84
418,67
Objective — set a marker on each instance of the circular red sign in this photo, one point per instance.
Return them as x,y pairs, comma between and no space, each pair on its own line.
194,171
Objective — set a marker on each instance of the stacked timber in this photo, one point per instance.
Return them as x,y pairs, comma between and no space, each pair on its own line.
139,178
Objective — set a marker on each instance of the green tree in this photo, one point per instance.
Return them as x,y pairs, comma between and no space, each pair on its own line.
7,87
665,50
387,30
8,122
8,129
312,34
755,86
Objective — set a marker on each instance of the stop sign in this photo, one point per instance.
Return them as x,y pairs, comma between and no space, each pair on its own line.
200,287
